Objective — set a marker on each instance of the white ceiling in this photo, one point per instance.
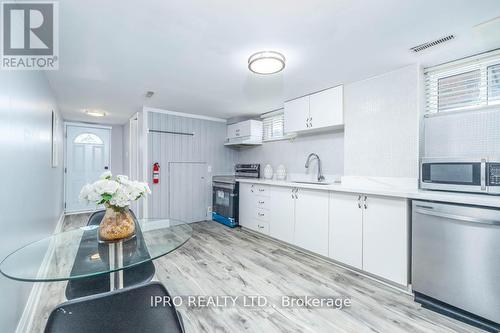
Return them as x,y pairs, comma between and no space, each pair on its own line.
193,53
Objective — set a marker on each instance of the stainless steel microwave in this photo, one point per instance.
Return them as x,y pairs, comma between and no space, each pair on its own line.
478,175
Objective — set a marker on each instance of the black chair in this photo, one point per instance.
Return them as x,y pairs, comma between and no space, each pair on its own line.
139,274
126,310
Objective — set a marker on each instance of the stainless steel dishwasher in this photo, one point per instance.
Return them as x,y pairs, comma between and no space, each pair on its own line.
456,261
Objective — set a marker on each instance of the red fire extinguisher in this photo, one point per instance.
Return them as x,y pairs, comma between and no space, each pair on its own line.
156,173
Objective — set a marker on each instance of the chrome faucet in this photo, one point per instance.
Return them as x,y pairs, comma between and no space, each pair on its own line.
320,173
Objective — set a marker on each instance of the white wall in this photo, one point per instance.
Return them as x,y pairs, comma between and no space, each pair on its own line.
382,125
117,146
205,146
31,195
293,153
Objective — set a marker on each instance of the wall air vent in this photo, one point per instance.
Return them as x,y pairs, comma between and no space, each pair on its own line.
421,47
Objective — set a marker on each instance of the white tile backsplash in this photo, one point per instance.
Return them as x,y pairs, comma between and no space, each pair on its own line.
464,134
293,153
382,125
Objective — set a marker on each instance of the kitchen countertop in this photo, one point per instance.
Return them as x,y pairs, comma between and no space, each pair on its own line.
389,191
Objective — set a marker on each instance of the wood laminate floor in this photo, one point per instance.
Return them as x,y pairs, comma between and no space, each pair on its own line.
221,261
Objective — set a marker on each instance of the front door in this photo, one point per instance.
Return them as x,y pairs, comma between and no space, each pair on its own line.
87,157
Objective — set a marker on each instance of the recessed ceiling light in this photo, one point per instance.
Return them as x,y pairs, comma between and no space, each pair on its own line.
95,113
266,62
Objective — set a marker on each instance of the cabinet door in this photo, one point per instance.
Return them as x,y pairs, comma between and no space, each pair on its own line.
247,205
326,108
282,207
243,128
296,114
231,131
311,220
346,229
385,238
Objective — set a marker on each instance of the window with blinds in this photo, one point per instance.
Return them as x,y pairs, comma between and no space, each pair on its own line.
494,84
273,126
468,84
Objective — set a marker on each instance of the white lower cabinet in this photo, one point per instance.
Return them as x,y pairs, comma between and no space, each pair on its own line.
370,233
246,204
385,238
311,220
282,209
346,229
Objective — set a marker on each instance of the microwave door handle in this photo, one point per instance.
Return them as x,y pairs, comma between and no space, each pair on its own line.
483,174
457,217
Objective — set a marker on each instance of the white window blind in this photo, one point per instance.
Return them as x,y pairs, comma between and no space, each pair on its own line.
273,125
467,84
494,84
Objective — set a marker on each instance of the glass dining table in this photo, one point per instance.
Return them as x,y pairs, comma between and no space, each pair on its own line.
78,253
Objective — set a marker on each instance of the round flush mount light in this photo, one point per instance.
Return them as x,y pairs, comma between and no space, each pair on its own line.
95,113
266,62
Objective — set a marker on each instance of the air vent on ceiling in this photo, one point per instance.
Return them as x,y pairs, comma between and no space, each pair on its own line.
427,45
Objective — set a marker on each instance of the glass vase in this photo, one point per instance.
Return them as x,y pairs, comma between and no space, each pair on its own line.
117,224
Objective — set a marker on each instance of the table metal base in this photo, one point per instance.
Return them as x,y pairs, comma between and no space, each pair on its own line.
116,262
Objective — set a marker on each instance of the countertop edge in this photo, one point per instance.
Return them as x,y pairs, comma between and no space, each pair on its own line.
417,194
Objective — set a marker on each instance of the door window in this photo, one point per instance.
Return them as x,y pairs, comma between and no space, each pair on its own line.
88,138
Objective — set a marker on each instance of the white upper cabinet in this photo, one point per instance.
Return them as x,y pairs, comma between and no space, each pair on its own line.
282,213
248,132
311,220
321,110
346,229
326,108
296,115
385,238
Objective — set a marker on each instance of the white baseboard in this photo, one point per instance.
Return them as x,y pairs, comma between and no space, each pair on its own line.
26,321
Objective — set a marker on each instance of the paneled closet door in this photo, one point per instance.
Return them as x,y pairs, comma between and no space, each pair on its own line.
188,191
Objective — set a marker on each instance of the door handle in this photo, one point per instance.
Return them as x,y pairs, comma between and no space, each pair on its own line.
483,174
457,217
106,167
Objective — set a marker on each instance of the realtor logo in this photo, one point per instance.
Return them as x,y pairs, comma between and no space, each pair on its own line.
30,35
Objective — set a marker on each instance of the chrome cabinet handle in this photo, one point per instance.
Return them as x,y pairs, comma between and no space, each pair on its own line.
261,202
364,202
359,201
261,214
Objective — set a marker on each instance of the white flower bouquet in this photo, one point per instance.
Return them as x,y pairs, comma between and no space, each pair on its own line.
116,195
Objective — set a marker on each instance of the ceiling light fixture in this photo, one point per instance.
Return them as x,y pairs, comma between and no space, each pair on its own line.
95,113
266,62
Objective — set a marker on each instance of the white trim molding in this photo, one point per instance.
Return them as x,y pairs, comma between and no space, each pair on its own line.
26,321
183,114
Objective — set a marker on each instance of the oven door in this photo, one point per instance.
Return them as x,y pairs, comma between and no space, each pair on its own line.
224,199
453,175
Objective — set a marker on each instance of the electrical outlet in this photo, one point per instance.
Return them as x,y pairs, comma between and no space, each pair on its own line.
209,169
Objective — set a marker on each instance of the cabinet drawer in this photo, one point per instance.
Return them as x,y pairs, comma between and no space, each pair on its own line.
262,202
261,190
262,214
262,227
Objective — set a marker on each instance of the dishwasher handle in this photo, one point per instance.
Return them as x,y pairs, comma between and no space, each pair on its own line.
457,217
